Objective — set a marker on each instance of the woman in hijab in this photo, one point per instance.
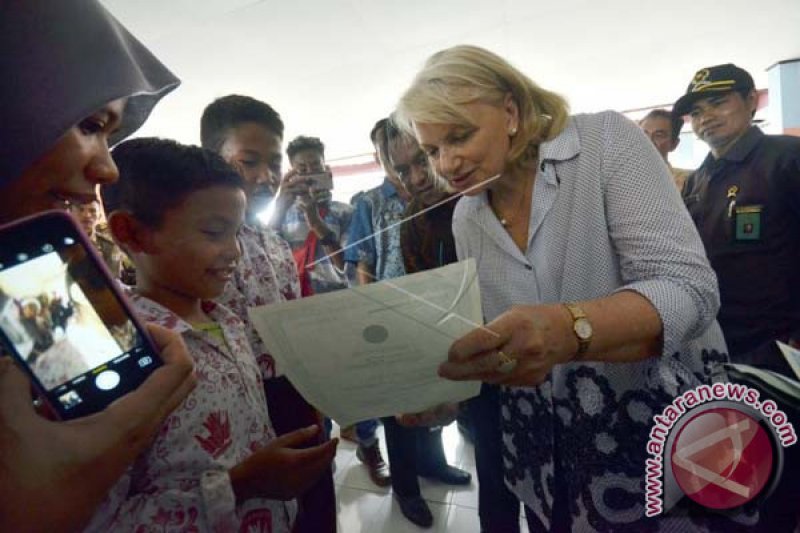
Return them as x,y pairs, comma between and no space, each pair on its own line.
74,83
598,293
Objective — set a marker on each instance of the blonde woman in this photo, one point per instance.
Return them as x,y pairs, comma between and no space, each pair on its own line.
599,297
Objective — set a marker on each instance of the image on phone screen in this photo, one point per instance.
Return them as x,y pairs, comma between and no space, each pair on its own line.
63,319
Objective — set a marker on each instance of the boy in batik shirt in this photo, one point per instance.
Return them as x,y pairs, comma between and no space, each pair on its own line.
248,134
216,464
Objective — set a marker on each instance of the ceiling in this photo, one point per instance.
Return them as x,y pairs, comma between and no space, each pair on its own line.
333,67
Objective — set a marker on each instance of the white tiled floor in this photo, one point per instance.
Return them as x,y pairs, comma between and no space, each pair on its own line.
364,507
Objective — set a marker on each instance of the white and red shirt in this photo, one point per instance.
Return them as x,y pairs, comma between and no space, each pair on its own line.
181,482
266,274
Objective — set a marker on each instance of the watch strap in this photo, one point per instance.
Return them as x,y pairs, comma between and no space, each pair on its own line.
577,314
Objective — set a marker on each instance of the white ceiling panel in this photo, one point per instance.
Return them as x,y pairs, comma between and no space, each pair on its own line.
333,67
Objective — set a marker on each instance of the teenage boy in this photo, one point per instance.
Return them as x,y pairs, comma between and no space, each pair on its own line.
375,229
248,135
426,242
314,225
216,464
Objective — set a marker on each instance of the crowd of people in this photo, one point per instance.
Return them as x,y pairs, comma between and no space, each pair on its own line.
611,282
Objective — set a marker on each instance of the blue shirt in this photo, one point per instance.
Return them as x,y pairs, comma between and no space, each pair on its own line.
375,232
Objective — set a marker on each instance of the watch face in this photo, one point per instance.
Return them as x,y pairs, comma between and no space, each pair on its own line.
583,329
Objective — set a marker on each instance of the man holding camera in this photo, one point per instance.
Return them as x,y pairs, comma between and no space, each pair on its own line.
311,222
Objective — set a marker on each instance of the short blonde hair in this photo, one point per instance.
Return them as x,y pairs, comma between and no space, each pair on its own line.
461,75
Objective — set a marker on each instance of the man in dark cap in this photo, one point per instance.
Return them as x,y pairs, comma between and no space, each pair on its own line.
745,201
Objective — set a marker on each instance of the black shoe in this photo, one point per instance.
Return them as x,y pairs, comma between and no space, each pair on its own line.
416,510
449,475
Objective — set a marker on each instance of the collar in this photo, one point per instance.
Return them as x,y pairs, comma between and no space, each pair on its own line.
388,189
152,311
564,147
738,151
744,145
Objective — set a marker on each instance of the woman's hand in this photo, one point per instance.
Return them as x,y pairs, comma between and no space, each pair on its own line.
536,337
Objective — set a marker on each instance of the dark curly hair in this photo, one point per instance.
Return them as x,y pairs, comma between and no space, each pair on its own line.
302,142
228,112
155,175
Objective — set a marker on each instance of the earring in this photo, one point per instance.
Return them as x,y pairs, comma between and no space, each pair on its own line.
512,132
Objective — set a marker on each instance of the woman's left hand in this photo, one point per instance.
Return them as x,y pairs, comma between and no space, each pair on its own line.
520,347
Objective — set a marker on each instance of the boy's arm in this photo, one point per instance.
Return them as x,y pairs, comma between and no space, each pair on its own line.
280,472
273,474
325,235
284,198
216,500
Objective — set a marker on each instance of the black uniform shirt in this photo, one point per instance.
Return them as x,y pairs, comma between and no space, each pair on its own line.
746,206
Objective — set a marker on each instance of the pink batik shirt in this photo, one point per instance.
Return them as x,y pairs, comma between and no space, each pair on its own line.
181,482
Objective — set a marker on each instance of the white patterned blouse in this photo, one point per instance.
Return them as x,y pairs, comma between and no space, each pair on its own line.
605,217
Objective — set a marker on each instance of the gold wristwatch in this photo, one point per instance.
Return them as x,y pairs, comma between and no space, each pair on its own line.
581,327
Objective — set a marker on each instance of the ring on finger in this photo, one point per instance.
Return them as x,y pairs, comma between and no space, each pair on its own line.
506,363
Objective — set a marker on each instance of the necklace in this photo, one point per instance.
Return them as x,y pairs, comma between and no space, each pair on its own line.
507,221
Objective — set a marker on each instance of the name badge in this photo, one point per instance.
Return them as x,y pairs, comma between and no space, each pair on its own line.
747,223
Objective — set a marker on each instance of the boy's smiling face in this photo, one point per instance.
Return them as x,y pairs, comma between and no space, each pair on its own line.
194,252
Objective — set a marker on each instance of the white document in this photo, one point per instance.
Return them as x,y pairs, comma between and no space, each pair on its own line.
374,350
792,355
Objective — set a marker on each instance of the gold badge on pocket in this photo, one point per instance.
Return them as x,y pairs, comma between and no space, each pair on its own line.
748,222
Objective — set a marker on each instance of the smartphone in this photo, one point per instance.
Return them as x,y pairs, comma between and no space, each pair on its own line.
320,180
64,319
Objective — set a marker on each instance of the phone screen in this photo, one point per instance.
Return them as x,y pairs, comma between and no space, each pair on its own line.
320,180
62,317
